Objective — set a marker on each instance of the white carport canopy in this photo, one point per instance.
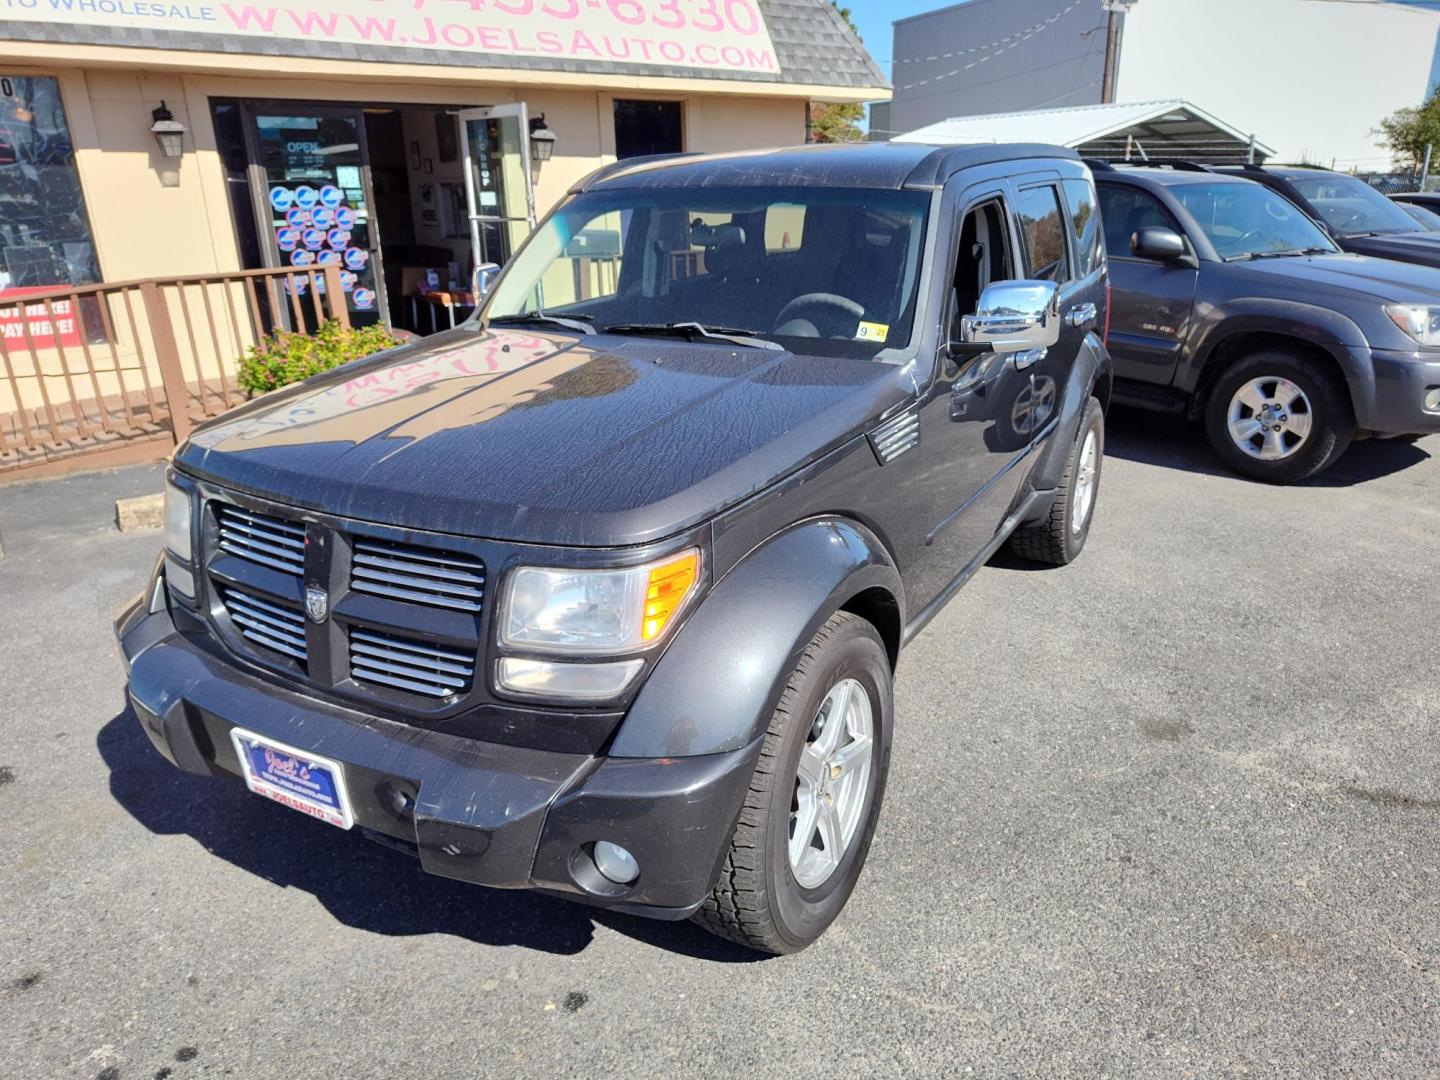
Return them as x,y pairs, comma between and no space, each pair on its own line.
1137,131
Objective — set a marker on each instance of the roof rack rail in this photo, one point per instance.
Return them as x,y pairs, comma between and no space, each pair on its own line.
1098,164
1178,164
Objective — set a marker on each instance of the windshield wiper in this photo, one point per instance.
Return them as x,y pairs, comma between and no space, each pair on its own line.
1283,254
691,330
542,317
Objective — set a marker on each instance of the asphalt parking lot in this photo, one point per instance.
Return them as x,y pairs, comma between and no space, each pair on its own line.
1173,811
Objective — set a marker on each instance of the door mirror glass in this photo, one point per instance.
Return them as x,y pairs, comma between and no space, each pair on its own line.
483,279
1013,316
1162,245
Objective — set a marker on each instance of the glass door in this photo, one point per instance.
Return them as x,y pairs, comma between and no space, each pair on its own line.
498,193
311,184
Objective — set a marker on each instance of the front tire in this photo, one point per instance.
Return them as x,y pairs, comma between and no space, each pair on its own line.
805,827
1278,417
1059,539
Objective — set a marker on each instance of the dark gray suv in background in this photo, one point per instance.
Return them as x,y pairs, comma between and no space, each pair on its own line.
602,593
1231,306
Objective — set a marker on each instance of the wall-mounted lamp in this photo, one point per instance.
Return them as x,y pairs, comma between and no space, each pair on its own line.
542,140
168,132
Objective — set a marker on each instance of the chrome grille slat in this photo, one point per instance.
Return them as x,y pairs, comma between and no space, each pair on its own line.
418,575
409,664
269,541
267,623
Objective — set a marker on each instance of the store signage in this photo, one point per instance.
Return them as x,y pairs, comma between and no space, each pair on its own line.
38,326
719,35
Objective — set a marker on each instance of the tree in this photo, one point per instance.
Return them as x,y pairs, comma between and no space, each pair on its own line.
832,123
1406,132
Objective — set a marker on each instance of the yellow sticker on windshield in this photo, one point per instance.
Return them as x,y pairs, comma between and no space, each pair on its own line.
872,331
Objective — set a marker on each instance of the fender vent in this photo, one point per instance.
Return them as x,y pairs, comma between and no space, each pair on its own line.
894,437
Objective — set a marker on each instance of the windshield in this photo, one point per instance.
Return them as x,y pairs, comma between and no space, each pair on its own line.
1352,207
1426,219
1245,220
830,272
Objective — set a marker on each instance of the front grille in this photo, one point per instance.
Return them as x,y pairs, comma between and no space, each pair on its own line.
272,625
408,664
418,575
269,541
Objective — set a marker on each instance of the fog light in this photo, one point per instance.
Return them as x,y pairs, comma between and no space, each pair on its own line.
570,682
615,862
1432,399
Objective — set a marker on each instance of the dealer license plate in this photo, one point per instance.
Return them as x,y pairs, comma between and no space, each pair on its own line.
294,778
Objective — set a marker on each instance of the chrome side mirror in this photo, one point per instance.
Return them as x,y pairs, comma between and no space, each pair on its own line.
1013,316
482,280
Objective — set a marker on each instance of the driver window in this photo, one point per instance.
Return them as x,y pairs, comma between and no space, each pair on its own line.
983,256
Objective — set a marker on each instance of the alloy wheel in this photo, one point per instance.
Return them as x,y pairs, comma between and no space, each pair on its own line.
1269,418
831,783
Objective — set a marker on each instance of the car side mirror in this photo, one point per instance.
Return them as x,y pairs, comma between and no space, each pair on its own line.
483,279
1012,316
1161,245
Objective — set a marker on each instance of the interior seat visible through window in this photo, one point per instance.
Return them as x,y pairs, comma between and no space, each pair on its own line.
983,257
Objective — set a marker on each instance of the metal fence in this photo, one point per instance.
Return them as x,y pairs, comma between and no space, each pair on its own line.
99,375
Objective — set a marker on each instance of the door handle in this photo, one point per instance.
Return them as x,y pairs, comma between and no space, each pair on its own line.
1080,315
1021,361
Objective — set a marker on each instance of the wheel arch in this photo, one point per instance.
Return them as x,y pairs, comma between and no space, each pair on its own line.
719,680
1327,341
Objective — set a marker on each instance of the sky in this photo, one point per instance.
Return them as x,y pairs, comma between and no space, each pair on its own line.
874,17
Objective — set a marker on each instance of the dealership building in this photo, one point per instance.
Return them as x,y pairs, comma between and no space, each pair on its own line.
402,140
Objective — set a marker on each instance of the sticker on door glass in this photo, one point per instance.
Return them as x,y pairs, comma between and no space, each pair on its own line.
364,298
297,218
287,238
328,258
322,217
347,280
872,331
281,198
302,258
313,239
356,258
306,197
339,239
331,196
345,218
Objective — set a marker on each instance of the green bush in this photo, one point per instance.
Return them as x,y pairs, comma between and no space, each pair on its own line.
285,357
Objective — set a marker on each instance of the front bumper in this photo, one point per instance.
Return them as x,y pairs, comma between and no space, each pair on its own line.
1396,406
486,813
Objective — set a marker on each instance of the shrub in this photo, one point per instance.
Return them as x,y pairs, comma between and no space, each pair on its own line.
285,357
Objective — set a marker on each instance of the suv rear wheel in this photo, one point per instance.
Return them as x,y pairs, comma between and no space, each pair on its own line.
1059,539
1276,416
805,827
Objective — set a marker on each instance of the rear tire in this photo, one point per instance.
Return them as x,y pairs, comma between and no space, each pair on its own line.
1279,417
758,899
1059,539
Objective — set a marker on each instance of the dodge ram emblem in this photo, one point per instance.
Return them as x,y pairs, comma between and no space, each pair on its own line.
317,604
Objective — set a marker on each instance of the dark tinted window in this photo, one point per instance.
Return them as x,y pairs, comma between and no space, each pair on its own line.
1126,210
1044,228
648,127
1085,222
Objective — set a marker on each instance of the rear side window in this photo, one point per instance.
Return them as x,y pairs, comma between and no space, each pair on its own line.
1124,211
1085,224
1047,257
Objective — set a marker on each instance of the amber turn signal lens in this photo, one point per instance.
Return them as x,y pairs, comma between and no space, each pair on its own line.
669,584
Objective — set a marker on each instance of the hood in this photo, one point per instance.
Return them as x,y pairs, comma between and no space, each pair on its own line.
1385,280
532,437
1416,247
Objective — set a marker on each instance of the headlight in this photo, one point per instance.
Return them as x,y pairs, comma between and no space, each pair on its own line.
596,612
1418,321
177,522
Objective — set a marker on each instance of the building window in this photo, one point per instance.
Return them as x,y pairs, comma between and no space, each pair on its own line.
648,127
44,230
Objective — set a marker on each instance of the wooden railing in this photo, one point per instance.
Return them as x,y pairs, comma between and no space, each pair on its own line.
98,375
